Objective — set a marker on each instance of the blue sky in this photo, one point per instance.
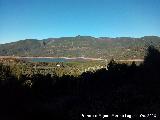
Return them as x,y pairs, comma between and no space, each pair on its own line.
21,19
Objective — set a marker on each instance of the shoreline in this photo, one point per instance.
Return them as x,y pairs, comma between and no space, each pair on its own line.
72,58
67,58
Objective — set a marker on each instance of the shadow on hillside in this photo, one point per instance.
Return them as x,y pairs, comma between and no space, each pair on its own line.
122,89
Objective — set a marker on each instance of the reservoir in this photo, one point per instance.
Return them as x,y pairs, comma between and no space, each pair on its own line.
45,59
64,59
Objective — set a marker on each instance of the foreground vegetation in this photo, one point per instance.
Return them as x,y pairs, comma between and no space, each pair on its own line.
122,89
20,67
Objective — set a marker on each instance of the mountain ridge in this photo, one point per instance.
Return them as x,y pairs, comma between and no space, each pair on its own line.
82,46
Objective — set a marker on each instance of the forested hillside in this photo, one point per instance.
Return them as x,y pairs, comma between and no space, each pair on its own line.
82,46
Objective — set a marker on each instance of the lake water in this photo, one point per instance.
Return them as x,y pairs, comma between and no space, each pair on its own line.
54,60
46,59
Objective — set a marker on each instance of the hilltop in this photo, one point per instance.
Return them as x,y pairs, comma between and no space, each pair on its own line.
82,46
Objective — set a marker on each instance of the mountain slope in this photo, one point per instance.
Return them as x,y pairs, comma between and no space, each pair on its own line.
82,46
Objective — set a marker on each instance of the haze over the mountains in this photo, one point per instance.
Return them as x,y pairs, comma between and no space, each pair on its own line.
82,46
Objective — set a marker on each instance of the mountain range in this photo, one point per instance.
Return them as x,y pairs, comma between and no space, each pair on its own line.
82,46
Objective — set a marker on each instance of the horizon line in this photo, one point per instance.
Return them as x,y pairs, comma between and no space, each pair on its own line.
79,36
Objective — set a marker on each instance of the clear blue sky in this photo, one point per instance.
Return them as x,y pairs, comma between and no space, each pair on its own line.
21,19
